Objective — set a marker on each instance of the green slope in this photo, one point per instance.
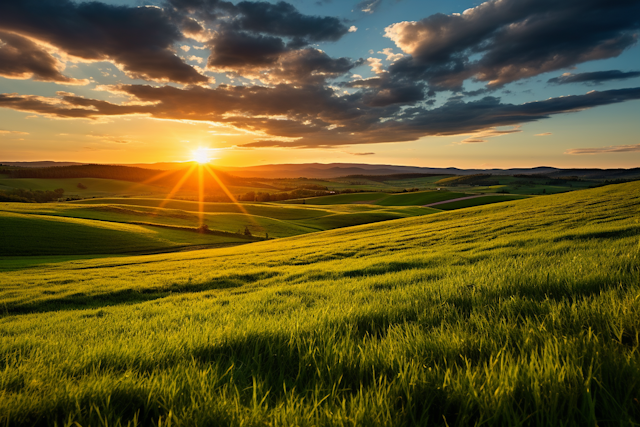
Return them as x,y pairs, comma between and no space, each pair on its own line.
519,313
418,198
477,201
94,186
41,235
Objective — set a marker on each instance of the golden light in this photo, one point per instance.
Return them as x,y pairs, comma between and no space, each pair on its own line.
201,155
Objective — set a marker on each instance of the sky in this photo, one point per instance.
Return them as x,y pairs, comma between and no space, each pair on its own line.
496,84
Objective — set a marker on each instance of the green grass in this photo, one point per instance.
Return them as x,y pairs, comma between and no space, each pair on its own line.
42,235
417,198
338,199
519,313
95,186
279,220
477,201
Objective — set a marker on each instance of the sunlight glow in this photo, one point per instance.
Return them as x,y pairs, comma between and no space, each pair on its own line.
201,155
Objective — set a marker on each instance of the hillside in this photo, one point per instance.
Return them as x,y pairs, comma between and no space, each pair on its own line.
519,313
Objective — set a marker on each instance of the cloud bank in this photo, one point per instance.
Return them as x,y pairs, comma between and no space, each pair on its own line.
290,92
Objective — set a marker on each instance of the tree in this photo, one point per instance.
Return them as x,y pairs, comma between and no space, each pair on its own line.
246,231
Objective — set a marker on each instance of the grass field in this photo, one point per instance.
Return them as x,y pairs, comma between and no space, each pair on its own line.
127,225
42,235
519,313
476,201
417,198
95,187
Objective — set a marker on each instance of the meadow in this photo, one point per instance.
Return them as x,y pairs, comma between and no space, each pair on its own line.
516,313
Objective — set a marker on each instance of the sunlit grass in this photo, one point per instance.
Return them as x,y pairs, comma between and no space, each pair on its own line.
521,313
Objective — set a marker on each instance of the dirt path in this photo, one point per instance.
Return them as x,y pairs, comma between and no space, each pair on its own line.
453,200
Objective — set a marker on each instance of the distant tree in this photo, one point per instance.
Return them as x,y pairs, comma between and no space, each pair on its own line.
246,231
81,186
204,228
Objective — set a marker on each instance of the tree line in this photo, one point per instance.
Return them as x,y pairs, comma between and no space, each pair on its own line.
30,196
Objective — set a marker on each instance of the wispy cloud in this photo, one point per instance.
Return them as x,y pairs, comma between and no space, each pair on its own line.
543,134
368,6
481,137
12,132
601,150
594,77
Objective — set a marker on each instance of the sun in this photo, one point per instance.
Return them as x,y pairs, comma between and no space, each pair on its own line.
201,155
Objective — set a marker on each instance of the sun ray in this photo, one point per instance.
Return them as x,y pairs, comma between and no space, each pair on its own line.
200,195
230,195
150,180
177,187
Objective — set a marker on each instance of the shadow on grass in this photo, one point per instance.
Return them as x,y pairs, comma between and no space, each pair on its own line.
83,301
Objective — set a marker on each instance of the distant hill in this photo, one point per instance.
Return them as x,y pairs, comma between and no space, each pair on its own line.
42,164
336,170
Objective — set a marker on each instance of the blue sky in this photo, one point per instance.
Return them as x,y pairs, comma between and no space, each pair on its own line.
511,83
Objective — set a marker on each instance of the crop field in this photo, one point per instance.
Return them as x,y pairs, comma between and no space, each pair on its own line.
517,313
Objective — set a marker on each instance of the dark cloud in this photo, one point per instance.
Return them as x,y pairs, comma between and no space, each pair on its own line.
513,39
266,58
316,115
20,58
282,19
611,149
308,66
593,77
235,50
138,39
267,41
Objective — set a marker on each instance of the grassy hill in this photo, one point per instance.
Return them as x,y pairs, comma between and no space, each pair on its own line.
122,225
43,235
417,198
519,313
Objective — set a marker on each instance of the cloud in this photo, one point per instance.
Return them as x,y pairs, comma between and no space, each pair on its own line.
353,29
314,116
359,154
501,41
611,149
231,50
543,134
480,137
20,58
283,19
12,132
368,6
388,52
376,65
593,77
138,39
275,64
